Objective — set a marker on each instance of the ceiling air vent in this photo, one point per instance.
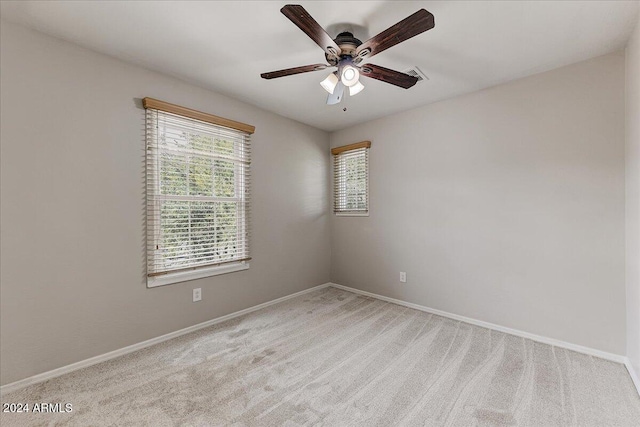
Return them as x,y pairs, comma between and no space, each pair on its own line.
416,72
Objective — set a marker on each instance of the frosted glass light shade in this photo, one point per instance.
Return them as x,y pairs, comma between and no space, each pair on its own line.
355,89
350,75
329,84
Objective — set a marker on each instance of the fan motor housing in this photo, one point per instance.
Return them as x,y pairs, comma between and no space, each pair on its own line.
347,44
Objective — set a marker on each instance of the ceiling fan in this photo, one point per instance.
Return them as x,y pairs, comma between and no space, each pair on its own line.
350,55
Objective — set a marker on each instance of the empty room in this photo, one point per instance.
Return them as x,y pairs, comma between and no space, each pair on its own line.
337,213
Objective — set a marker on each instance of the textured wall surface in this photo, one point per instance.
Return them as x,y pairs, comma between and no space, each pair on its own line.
505,205
73,267
632,157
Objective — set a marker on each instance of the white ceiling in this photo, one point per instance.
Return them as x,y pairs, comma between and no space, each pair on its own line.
224,46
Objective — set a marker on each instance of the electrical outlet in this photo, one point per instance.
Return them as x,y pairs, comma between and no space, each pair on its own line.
403,277
197,294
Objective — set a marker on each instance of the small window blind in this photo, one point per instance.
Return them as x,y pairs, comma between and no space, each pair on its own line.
198,200
351,179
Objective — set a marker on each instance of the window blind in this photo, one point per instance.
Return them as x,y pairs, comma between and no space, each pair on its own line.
351,178
198,193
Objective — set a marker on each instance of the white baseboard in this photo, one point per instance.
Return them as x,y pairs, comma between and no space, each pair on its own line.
129,349
632,372
545,340
134,347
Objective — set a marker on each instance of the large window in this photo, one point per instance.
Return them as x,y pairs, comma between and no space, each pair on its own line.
351,179
197,194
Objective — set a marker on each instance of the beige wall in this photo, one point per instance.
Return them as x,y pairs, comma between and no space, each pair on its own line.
72,277
505,205
633,198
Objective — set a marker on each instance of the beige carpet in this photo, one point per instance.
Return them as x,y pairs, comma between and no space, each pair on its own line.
335,358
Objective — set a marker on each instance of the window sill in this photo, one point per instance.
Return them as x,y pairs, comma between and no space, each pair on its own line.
352,213
184,276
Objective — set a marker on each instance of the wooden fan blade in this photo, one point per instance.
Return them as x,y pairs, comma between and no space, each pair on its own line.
292,71
299,16
411,26
386,75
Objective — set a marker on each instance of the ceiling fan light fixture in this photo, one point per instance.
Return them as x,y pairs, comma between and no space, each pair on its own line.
329,84
350,75
356,88
347,52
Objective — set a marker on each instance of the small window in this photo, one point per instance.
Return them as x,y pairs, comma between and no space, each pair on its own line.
351,179
198,197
